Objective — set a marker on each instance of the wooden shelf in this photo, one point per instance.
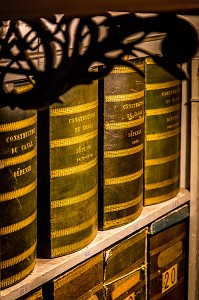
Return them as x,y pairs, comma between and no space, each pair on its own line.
23,9
47,269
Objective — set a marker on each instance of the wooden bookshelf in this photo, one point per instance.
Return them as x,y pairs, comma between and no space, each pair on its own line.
46,269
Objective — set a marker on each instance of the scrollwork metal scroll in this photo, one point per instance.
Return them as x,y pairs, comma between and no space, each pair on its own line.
55,55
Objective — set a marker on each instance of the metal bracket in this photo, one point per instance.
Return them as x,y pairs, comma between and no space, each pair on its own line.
69,48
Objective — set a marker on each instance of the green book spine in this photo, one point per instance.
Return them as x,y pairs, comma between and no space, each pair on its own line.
67,172
162,130
18,203
121,140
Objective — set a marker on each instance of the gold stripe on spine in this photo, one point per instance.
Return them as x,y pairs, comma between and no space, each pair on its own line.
162,135
23,88
59,251
123,179
17,226
161,160
73,140
123,152
63,111
120,206
18,124
162,111
15,260
19,192
124,97
161,184
74,229
123,125
124,69
158,199
17,277
73,200
73,170
162,85
77,272
122,221
11,161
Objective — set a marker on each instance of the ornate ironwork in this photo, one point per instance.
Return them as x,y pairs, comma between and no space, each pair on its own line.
55,55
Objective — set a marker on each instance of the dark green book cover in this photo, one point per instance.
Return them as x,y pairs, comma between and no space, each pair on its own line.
18,181
162,134
121,143
67,173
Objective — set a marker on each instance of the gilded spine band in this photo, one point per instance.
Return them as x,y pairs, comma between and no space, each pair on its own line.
121,119
163,131
72,173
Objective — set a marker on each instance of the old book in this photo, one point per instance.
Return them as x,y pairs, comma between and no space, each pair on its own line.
18,202
125,268
162,134
67,173
168,256
121,143
84,282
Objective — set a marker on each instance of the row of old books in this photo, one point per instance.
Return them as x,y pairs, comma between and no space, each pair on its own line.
88,164
149,264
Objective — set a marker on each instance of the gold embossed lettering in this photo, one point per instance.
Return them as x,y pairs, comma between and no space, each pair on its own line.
20,136
27,146
23,171
134,133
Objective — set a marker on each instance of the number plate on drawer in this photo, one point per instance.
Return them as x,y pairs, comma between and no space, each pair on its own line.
169,278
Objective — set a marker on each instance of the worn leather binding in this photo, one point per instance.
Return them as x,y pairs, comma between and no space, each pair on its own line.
82,282
18,181
163,131
168,262
67,173
125,268
121,143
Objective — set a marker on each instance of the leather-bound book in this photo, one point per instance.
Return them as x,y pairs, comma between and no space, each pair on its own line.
67,173
121,146
162,133
84,281
18,203
125,266
168,243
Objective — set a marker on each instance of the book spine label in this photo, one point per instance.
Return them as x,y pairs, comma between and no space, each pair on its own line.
122,124
17,194
73,165
163,132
